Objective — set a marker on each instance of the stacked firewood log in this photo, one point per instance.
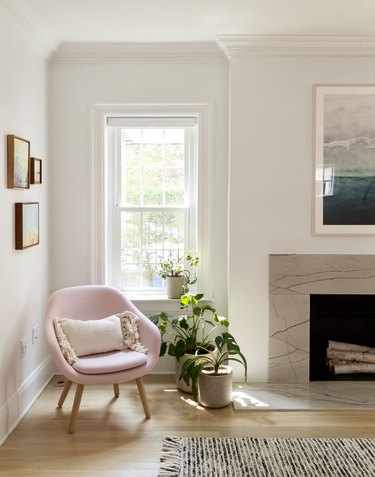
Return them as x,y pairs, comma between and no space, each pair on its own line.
346,358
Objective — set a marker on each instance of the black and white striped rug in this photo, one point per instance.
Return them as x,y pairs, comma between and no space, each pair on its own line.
266,457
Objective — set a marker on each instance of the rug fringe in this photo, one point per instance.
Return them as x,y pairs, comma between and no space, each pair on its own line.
170,458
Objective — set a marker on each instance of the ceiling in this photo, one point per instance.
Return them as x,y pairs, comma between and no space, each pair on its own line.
196,20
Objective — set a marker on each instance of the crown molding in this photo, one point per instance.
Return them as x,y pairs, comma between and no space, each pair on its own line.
296,45
117,53
41,39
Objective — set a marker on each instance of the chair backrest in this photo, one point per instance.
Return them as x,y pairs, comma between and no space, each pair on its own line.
87,302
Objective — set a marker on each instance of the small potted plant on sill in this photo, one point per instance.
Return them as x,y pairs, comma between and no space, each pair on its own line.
210,376
176,276
192,334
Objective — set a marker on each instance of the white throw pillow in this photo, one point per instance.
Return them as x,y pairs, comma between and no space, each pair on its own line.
94,336
81,338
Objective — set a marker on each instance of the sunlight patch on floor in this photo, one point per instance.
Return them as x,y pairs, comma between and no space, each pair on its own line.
193,403
246,400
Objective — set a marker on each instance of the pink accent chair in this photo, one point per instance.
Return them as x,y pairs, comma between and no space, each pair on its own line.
95,302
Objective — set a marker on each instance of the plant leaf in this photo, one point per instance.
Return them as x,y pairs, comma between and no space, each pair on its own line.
163,349
155,318
179,349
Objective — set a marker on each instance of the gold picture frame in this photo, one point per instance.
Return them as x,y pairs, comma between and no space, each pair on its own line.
27,224
35,171
18,162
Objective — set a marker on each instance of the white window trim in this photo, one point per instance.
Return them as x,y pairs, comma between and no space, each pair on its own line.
99,174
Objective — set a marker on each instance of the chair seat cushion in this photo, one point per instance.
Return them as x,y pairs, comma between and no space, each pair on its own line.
112,362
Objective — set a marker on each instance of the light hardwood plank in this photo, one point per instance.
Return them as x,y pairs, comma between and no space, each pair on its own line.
113,438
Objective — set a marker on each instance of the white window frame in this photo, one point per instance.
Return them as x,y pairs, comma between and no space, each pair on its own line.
100,264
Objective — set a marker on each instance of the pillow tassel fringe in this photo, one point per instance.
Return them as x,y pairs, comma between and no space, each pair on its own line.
129,327
65,346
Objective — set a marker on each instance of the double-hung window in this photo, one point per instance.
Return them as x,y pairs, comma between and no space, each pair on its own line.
152,197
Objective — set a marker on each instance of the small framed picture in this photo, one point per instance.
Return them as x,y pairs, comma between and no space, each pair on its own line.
18,162
35,171
27,224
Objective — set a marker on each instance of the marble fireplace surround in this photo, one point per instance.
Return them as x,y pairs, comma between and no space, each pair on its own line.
292,278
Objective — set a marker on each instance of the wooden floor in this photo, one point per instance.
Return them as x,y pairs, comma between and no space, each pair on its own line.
113,439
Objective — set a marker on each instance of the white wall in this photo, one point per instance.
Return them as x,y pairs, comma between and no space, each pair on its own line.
270,181
73,89
24,274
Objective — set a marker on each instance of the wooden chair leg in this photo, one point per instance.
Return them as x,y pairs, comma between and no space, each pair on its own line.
142,394
75,408
64,393
116,390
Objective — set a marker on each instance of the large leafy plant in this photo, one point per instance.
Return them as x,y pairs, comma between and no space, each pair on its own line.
227,350
192,332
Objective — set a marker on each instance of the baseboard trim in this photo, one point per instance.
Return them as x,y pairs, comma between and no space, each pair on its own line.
21,401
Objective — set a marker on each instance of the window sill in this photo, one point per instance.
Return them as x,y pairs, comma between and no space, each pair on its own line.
149,304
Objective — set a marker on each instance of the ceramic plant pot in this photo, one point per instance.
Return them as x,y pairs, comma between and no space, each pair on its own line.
215,390
180,383
175,286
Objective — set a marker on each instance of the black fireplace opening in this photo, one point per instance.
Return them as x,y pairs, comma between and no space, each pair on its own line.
344,319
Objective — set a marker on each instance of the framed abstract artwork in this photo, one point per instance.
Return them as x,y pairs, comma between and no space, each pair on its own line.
344,159
18,162
27,224
35,171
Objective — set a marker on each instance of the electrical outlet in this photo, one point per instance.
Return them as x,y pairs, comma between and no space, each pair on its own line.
23,348
35,334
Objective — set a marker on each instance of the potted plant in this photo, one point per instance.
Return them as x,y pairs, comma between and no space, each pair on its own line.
210,375
175,273
191,334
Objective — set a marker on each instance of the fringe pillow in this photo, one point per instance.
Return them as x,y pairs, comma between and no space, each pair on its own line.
84,337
